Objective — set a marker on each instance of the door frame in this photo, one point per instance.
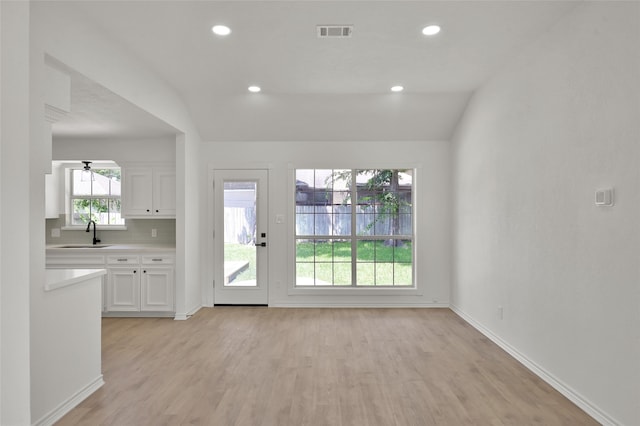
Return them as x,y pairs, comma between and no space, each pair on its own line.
207,256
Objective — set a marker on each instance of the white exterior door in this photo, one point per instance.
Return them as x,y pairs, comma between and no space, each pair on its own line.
240,237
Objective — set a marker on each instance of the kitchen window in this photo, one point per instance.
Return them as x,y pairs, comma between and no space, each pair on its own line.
354,228
95,195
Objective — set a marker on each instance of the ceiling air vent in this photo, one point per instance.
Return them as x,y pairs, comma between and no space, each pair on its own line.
334,31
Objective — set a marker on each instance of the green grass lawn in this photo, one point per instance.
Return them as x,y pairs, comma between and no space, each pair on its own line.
242,252
327,263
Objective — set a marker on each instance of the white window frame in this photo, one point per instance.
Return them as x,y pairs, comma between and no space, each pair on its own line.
293,289
69,197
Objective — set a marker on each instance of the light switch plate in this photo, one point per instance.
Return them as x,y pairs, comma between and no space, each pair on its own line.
604,197
279,218
154,233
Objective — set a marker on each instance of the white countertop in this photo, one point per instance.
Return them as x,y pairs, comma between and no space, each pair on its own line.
59,278
107,248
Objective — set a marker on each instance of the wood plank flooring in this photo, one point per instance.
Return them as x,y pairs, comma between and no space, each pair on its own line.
267,366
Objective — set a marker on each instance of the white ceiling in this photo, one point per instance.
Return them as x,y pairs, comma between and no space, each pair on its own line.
325,89
98,113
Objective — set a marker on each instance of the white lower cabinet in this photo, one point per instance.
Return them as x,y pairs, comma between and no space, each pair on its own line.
156,289
135,285
123,290
140,286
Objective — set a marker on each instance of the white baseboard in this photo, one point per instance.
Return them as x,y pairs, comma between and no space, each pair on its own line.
288,304
68,405
185,316
149,314
586,405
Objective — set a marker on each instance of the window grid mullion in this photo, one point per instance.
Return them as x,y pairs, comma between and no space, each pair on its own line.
354,231
354,238
109,198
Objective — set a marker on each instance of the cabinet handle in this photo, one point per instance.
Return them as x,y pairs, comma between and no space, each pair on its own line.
157,211
145,271
134,271
148,210
122,260
156,260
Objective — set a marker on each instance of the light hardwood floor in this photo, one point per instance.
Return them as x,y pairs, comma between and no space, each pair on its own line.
267,366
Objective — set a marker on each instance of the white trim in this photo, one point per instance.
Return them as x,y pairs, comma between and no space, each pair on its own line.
566,390
233,165
293,290
138,314
189,314
399,305
354,291
72,402
339,163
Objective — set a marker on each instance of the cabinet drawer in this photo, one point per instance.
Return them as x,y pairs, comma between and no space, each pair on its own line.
123,260
157,260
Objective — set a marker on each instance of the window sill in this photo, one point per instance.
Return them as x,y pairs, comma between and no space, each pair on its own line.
355,291
83,228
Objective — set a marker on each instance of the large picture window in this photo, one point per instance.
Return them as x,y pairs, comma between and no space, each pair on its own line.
354,227
95,195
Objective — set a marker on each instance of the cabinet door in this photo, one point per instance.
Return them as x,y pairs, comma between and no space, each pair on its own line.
157,289
164,192
123,290
137,194
54,187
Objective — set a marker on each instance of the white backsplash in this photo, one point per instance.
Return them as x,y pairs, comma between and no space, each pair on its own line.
138,232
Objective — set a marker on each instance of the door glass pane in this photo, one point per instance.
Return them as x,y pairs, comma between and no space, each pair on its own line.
240,237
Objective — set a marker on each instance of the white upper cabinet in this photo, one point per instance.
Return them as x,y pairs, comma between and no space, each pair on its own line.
149,192
137,196
54,192
164,191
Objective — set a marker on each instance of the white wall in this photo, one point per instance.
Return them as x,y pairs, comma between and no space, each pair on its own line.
432,186
120,151
157,151
70,38
54,28
557,123
66,358
14,223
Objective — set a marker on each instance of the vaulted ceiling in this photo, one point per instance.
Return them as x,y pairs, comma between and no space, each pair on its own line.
324,89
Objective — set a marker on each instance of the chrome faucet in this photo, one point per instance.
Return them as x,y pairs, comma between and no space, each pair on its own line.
95,240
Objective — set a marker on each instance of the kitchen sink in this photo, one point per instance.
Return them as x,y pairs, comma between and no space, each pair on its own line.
83,246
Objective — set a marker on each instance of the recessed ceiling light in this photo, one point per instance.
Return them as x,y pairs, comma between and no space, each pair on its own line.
431,30
254,89
221,30
397,89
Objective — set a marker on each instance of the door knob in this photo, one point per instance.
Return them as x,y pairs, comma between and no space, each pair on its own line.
261,244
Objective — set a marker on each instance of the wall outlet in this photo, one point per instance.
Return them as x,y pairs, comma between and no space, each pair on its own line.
154,233
55,232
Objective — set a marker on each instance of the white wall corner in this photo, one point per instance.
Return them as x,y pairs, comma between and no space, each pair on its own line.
587,406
